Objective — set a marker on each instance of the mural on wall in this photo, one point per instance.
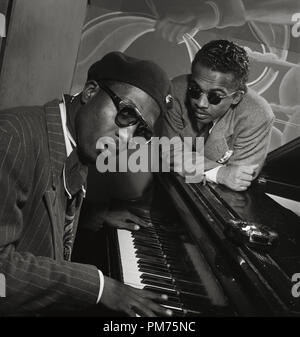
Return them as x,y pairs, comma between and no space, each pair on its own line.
170,32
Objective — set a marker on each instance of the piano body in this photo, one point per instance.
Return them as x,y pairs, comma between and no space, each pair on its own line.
189,255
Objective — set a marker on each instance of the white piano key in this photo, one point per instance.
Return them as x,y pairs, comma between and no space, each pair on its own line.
131,273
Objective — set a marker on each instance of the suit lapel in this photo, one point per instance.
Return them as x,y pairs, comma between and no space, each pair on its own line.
54,194
218,141
57,146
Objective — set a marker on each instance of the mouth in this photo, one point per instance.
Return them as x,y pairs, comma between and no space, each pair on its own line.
201,115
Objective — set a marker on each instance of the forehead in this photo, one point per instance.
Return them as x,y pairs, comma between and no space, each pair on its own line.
213,80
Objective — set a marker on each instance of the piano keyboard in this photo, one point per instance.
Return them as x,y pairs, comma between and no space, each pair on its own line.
154,259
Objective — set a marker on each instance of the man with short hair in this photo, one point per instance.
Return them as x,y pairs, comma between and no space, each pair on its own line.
214,102
43,156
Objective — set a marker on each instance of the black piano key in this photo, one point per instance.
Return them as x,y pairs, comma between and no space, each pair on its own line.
167,250
150,244
149,257
159,280
156,243
151,250
142,239
147,244
151,264
159,290
171,242
162,286
149,277
167,268
146,269
164,251
154,273
154,257
155,251
157,255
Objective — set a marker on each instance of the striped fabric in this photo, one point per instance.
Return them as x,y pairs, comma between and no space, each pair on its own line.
32,217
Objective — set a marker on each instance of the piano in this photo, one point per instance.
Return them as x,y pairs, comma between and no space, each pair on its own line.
191,252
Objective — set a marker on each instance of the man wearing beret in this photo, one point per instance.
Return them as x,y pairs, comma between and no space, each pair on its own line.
44,152
214,102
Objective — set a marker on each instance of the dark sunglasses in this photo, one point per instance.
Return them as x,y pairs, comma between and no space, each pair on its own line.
128,115
213,98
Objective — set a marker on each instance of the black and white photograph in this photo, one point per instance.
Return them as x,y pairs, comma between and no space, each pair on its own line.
149,161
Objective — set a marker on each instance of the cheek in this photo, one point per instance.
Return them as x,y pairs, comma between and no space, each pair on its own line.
103,123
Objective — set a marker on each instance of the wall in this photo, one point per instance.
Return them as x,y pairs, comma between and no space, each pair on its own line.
41,50
154,29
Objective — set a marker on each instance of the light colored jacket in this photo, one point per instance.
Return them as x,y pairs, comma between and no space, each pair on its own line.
245,128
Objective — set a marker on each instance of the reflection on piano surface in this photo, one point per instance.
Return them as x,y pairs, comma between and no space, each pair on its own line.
188,255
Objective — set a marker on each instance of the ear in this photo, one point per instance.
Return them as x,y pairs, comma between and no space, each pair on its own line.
90,89
238,97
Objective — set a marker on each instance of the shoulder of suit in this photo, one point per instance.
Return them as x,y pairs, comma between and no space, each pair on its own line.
181,80
254,107
24,121
180,84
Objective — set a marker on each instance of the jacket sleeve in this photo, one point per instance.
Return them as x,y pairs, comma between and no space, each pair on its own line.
252,142
33,283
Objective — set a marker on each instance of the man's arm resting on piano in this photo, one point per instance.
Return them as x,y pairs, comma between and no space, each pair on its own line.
248,155
236,177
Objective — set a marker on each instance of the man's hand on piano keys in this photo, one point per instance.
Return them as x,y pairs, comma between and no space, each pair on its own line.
236,177
133,302
123,219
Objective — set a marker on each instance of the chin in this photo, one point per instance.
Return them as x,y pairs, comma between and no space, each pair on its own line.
206,121
203,121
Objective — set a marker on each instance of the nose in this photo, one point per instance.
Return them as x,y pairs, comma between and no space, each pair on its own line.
202,102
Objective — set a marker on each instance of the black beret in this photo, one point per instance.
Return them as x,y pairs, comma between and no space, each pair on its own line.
146,75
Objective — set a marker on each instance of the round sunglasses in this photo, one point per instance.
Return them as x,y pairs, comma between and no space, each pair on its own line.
195,92
128,115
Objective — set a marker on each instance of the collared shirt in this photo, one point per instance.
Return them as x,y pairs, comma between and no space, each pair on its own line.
70,144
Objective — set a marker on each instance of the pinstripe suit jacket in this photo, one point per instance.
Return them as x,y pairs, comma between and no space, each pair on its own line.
32,215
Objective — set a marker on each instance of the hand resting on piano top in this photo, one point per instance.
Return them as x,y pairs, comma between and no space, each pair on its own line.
236,177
